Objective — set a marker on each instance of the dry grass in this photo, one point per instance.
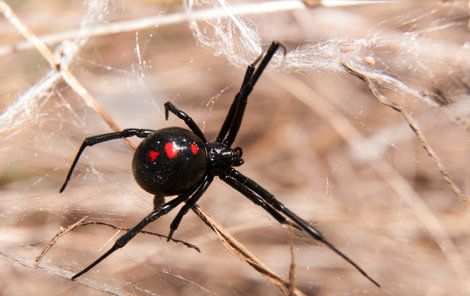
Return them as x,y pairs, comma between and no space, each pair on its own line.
389,189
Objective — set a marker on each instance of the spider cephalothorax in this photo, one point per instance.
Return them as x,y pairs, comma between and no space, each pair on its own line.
177,161
222,158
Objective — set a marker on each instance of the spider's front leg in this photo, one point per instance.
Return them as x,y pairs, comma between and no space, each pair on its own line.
90,141
235,114
169,107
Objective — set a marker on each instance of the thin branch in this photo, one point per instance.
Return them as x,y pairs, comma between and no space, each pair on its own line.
41,88
27,33
84,222
181,17
292,261
374,86
68,77
399,132
344,3
56,237
239,250
189,245
91,102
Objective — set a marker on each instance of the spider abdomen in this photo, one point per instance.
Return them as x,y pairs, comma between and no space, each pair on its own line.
169,161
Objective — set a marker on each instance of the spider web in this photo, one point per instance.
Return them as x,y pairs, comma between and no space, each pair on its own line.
314,134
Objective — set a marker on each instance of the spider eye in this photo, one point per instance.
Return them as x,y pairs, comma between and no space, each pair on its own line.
194,148
171,150
153,155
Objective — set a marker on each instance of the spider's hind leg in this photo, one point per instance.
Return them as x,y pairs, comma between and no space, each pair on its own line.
188,205
271,200
124,239
257,200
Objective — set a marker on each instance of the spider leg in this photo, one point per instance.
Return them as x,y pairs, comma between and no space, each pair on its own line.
234,117
228,119
158,201
90,141
256,199
124,239
269,198
188,205
169,107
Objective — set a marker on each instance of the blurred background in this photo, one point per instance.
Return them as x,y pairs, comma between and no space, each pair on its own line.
388,188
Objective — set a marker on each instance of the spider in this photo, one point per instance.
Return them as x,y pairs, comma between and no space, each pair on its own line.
182,162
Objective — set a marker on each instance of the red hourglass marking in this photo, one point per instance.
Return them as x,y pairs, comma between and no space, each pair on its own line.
194,148
153,155
171,150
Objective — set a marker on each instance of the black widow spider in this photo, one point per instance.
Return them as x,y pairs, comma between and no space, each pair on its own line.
177,161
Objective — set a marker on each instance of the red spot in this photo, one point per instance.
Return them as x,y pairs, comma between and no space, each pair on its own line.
171,150
194,148
153,155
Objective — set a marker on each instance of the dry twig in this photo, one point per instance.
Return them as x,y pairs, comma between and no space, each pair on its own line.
375,86
292,262
239,250
84,222
180,17
55,238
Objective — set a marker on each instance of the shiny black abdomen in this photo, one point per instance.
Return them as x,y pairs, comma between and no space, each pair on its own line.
169,161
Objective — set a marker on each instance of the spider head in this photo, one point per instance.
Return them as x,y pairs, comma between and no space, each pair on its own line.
237,157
